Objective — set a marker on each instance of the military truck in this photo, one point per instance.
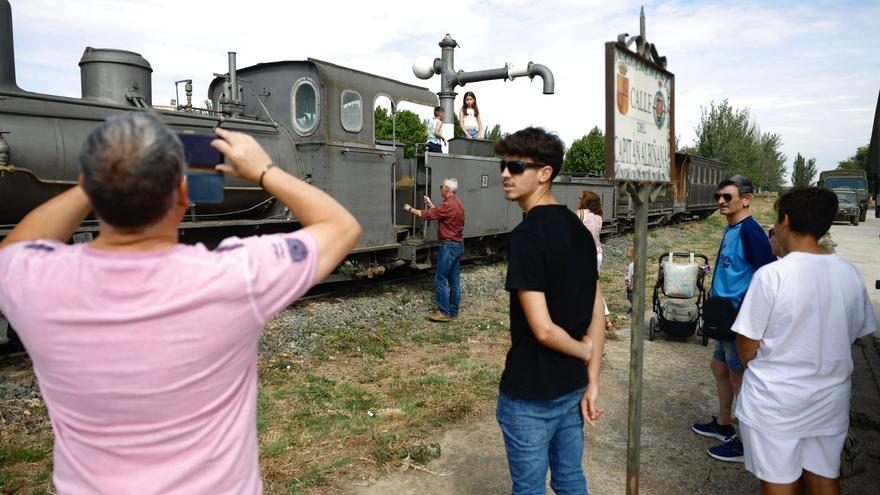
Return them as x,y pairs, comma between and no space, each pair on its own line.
847,206
848,179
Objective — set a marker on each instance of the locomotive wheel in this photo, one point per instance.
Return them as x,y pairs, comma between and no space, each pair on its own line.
652,328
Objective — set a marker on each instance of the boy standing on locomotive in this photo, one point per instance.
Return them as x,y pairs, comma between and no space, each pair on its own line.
550,383
744,248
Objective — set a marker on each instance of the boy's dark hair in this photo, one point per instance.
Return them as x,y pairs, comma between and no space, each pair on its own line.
437,111
535,143
810,210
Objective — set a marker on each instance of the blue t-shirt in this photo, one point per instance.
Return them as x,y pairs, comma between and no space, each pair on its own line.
745,247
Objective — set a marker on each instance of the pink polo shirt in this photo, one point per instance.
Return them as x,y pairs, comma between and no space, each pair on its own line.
148,361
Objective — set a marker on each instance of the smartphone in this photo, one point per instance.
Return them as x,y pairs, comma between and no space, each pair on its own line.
205,186
198,151
204,183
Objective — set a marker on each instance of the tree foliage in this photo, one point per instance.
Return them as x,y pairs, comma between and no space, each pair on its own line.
859,161
494,134
803,171
410,130
729,135
586,154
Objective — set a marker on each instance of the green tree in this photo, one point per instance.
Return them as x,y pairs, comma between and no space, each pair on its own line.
586,154
728,135
494,134
410,130
803,171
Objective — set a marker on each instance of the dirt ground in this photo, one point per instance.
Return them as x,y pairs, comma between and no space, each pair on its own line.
678,390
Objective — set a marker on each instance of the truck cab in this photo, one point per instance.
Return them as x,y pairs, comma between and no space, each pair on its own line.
848,179
847,206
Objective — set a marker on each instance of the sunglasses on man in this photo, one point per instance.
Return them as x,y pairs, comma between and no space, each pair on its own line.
517,167
727,197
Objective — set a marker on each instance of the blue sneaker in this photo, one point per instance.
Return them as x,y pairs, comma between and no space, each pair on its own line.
714,430
730,451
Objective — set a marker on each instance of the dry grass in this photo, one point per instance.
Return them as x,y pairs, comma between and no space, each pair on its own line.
364,405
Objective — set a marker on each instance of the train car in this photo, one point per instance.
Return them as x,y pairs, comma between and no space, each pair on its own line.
699,181
688,197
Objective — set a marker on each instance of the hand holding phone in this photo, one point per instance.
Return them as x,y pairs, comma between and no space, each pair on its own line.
204,183
245,156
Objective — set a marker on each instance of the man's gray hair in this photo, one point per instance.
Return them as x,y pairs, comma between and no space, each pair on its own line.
451,183
742,183
131,167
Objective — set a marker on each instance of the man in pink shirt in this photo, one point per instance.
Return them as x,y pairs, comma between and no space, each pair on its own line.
146,349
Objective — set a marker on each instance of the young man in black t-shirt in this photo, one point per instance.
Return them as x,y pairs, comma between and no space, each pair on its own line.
550,384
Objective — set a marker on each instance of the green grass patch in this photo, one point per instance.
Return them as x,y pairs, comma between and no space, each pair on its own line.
14,454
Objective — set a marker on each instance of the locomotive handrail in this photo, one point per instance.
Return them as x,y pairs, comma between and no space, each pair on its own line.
12,169
367,152
393,194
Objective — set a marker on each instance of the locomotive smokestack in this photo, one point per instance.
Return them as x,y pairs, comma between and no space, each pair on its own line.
7,53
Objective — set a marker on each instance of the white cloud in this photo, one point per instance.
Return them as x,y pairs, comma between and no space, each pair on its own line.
804,69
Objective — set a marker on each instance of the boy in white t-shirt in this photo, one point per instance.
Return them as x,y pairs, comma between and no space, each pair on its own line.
796,326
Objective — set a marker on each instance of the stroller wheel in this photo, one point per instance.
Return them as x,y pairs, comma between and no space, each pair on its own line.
705,340
652,328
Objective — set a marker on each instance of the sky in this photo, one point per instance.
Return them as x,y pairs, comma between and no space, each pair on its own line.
808,71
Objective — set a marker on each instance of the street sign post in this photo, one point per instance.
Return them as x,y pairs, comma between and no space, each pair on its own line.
639,153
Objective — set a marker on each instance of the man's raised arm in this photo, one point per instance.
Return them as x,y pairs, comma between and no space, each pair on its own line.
334,229
55,219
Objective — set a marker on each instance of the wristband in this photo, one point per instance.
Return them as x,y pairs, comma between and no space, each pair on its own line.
263,174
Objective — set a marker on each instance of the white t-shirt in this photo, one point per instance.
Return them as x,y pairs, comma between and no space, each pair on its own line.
806,310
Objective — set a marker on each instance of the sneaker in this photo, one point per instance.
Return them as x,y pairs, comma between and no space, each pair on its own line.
438,316
714,430
730,451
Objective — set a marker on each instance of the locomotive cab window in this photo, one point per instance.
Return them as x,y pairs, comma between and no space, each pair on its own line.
306,107
351,111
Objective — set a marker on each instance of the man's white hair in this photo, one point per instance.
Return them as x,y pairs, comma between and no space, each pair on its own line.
451,183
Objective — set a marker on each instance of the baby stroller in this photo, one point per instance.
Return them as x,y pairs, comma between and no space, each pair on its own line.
680,279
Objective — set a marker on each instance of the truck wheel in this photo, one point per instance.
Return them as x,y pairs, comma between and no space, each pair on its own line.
651,328
863,214
855,220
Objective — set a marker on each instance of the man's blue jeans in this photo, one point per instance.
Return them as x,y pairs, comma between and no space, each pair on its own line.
447,287
544,433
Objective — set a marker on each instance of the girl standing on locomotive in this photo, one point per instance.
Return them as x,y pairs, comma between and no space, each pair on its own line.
589,211
469,117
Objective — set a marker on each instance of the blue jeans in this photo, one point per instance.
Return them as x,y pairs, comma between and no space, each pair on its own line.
472,132
447,287
727,353
544,433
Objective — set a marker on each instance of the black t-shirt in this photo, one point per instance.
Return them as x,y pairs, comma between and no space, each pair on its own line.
551,252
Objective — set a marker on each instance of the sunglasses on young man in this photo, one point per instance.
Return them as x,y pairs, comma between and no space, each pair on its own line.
517,167
727,197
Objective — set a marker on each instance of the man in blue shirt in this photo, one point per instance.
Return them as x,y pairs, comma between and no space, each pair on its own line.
744,248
